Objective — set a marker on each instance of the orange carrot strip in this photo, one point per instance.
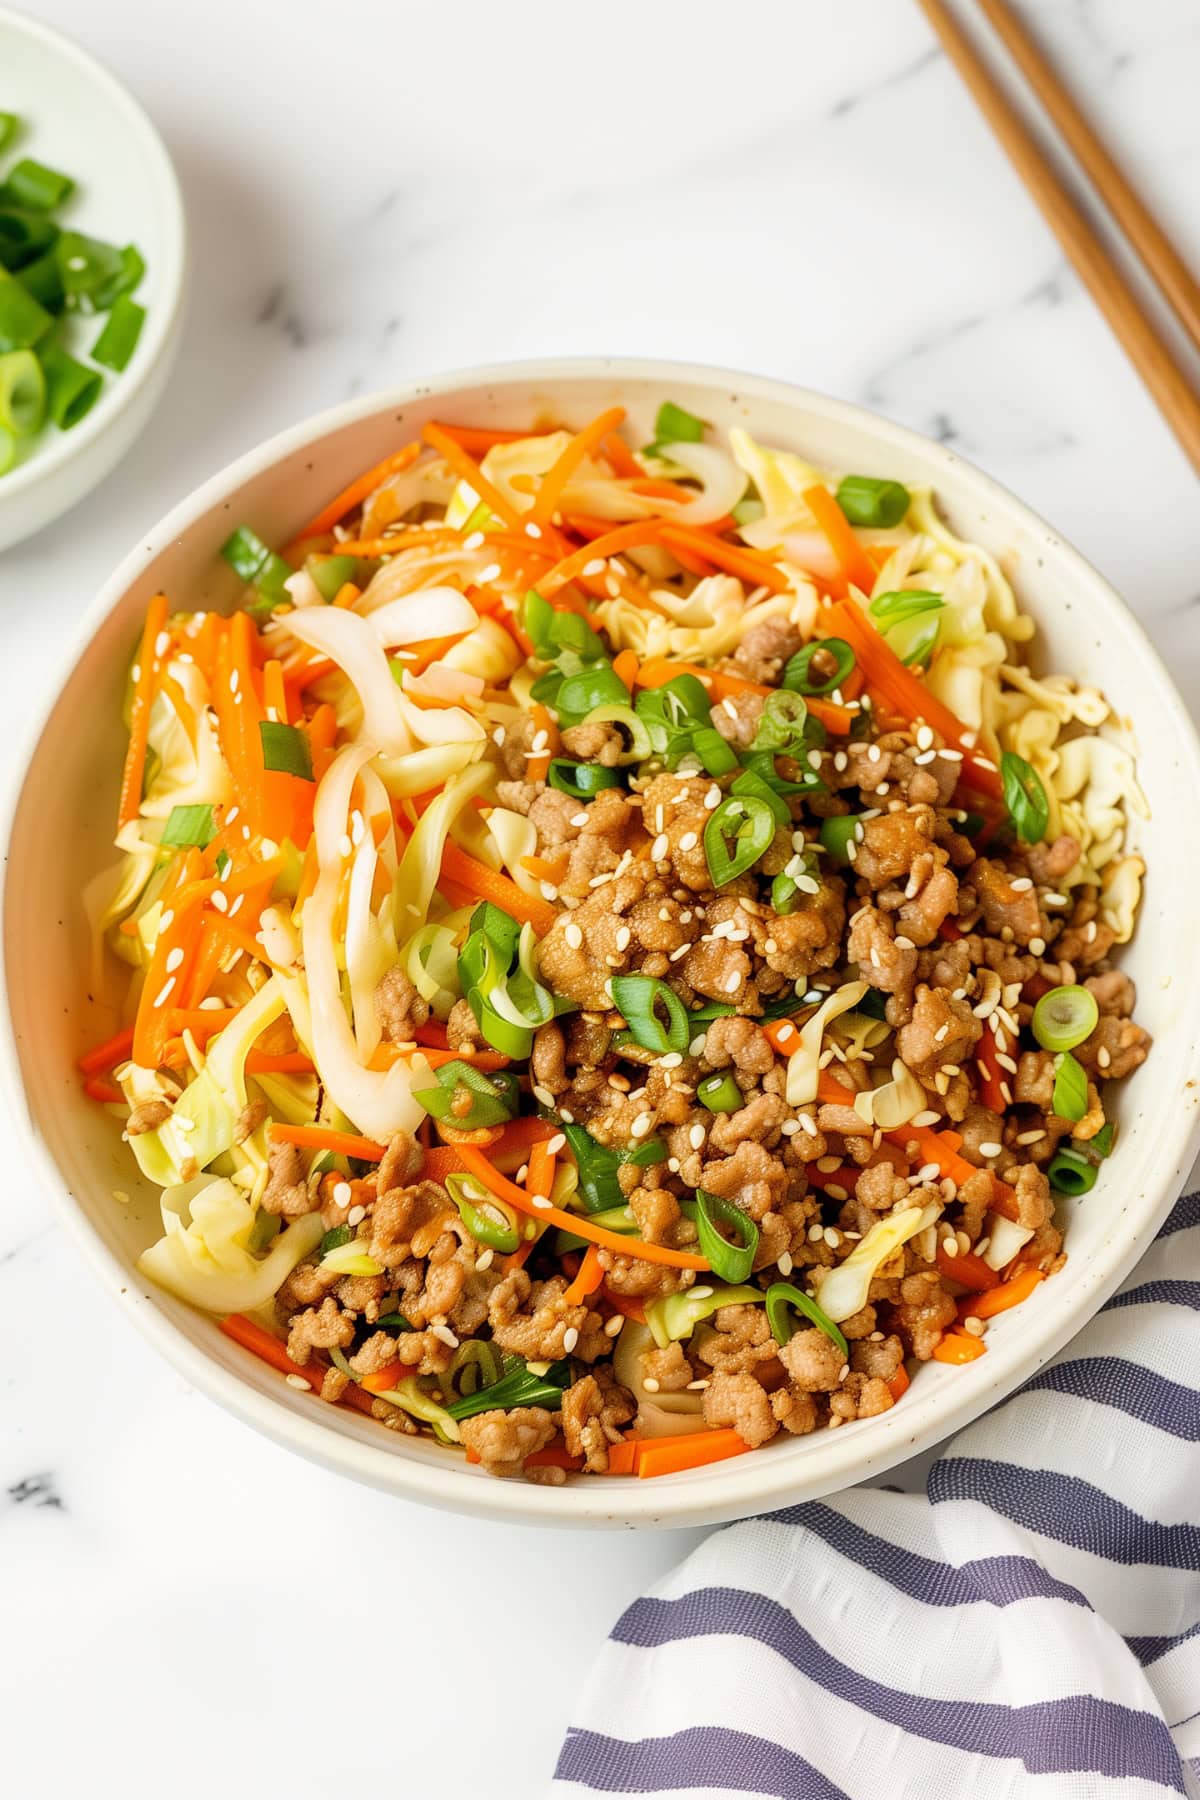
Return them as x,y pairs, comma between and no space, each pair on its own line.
620,457
750,566
625,666
554,1456
958,1347
622,1457
386,1378
1009,1293
359,489
782,1036
469,471
489,884
273,690
899,1384
581,445
904,693
539,1178
319,1137
104,1091
695,1450
590,1275
577,1223
856,566
183,712
538,767
480,440
520,1256
139,722
844,1176
626,1304
288,1062
151,1027
970,1271
268,1349
347,594
108,1054
544,869
621,537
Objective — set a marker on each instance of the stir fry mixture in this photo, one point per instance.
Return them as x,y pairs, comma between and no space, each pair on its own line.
619,946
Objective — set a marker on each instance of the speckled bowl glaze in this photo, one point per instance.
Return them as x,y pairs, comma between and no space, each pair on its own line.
60,834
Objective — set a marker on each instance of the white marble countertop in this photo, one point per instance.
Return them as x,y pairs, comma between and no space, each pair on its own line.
376,192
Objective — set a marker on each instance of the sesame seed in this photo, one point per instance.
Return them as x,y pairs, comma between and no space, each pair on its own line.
356,1215
485,1262
544,1095
570,1338
540,1201
733,982
650,1384
624,936
990,1149
975,1326
696,1136
641,1125
1037,946
928,1172
343,1193
1103,1057
815,1233
557,1143
444,1333
1054,900
237,905
233,682
574,936
1021,885
688,841
612,587
694,1387
611,1326
487,575
925,756
220,901
832,1237
785,1265
299,1382
474,542
174,960
597,566
1029,1137
676,954
713,797
160,999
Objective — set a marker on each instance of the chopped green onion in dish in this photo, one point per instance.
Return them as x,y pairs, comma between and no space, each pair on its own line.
736,835
1025,798
119,338
71,389
188,825
728,1236
1071,1173
820,667
720,1093
285,749
871,503
22,392
31,184
1064,1017
783,1299
1070,1088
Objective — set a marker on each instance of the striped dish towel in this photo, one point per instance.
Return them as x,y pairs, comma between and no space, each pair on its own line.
1027,1628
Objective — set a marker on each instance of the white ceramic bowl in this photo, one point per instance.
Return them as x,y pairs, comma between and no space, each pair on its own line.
61,831
78,118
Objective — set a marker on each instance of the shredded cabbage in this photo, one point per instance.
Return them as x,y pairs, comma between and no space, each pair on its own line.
844,1290
804,1064
206,1260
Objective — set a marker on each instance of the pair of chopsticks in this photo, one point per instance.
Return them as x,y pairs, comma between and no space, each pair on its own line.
1108,286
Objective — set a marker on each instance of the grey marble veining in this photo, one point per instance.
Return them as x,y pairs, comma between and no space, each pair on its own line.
794,186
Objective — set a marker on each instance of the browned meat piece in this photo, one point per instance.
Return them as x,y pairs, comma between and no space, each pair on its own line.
549,1328
1033,1083
942,1030
891,845
518,796
978,1127
549,1058
881,961
334,1384
843,1119
880,1188
320,1328
813,1361
423,1352
409,1220
553,816
1049,863
737,1041
657,1213
612,830
741,1340
799,943
147,1117
576,952
305,1286
670,1368
767,646
401,1162
975,1196
286,1193
593,1410
589,1041
378,1351
634,1279
1005,908
879,1359
1114,1050
759,1119
740,1401
923,1312
398,1006
249,1119
673,808
862,1396
752,1178
1114,993
719,969
937,897
502,1440
462,1028
594,741
737,717
1034,1205
795,1410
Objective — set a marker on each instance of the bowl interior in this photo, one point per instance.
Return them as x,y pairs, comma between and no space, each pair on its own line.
78,118
62,836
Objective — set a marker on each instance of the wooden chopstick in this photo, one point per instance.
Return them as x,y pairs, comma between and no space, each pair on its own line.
1102,277
1178,284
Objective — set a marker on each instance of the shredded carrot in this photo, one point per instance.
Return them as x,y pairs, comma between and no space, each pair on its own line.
845,1176
855,565
902,691
468,470
970,1271
104,1091
543,1162
554,1456
108,1054
899,1384
172,691
577,1223
622,1457
489,884
581,446
750,566
994,1090
520,1256
782,1036
288,1062
626,1304
538,767
273,689
268,1349
359,490
693,1450
319,1137
130,802
184,900
433,1033
590,1275
625,668
383,1379
480,440
621,537
620,457
545,870
1009,1293
958,1347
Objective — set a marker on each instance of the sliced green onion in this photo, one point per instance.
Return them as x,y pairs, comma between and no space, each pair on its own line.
475,1364
877,504
783,895
71,390
1071,1173
782,1296
904,603
187,825
334,1240
514,1041
762,763
583,781
736,835
1100,1146
538,619
493,1100
258,566
394,1322
915,640
638,998
1070,1088
10,124
1064,1017
22,392
720,1093
43,282
25,238
88,267
119,338
675,426
8,450
32,184
597,1165
553,629
752,783
797,676
331,573
616,713
488,1219
285,749
839,834
596,686
1025,797
729,1261
519,1388
23,320
781,724
498,928
123,281
223,861
676,1316
715,754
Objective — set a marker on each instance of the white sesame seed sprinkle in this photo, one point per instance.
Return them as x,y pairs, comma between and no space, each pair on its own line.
164,992
299,1382
488,575
343,1193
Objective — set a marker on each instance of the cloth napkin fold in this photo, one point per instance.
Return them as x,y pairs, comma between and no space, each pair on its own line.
1028,1628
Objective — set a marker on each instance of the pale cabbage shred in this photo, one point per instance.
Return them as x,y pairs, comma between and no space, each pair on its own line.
210,1185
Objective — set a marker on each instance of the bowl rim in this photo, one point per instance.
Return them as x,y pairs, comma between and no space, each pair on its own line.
723,1490
162,317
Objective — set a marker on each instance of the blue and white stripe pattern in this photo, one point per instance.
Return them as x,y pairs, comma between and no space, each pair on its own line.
1026,1629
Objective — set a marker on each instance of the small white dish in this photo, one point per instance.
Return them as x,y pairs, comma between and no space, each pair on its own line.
78,118
61,831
